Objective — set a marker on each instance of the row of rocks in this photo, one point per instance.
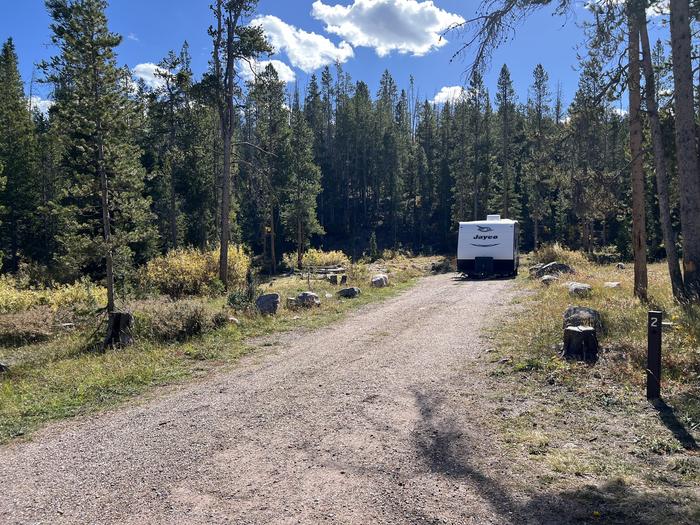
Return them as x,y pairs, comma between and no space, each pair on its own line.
576,288
268,304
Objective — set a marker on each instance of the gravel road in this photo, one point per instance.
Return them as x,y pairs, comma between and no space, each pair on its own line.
371,420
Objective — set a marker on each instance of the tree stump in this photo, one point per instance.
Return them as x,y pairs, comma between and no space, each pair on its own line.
580,344
119,330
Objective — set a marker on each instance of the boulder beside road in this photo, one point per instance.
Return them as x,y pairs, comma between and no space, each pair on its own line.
380,280
349,293
583,316
580,289
267,304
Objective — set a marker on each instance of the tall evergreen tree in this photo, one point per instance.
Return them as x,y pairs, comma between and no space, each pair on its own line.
302,186
538,167
105,216
19,195
507,199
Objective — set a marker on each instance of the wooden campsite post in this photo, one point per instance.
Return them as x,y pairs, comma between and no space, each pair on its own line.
654,328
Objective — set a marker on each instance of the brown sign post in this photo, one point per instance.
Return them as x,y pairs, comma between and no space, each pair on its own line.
654,328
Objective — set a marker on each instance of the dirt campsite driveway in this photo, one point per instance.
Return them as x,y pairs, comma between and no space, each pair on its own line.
372,420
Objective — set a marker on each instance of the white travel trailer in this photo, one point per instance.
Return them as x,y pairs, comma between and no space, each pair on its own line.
488,248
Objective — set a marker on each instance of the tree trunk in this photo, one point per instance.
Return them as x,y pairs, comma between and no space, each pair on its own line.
686,147
119,330
225,211
273,240
227,113
639,242
173,210
536,227
674,268
106,229
300,242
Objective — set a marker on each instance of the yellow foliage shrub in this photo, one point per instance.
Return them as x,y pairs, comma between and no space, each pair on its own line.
317,258
81,294
189,272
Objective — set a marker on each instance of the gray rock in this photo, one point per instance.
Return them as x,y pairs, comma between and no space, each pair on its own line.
329,296
583,316
349,293
549,279
380,280
580,289
553,268
233,320
267,304
308,299
4,368
292,303
612,285
620,266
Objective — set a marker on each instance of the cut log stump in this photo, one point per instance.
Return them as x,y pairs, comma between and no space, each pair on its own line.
119,330
580,344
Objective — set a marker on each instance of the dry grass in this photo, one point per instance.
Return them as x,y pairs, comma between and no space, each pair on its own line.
567,424
532,338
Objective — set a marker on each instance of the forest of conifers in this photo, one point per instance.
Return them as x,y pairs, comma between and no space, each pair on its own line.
330,164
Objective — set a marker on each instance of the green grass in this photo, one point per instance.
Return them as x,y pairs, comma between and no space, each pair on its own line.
58,379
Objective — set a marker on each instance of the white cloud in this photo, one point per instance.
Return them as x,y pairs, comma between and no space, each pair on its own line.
42,104
147,73
248,71
449,94
132,36
406,26
307,51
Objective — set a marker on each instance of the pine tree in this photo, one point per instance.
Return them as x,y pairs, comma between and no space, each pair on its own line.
302,186
538,170
507,199
19,197
272,157
105,217
233,41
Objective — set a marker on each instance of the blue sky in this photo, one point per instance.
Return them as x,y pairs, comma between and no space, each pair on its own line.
367,35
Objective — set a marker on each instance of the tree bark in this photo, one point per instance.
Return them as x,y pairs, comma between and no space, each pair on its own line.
106,229
273,240
639,242
662,186
686,146
227,16
300,241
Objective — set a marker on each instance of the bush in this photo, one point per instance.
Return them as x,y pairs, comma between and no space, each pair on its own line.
191,272
555,252
82,295
176,321
26,327
317,259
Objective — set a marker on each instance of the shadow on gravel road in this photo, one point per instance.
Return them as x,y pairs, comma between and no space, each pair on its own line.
446,450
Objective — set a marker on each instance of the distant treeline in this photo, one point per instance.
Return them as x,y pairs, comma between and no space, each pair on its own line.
336,166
